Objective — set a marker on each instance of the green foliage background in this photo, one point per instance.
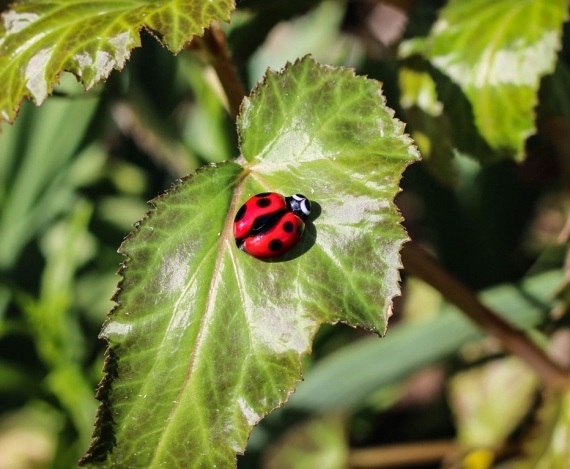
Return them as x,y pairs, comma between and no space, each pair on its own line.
76,172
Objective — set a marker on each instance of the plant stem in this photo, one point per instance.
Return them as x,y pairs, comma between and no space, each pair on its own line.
401,455
424,266
213,44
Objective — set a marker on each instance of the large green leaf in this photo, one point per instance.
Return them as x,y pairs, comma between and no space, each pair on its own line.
38,39
497,51
206,340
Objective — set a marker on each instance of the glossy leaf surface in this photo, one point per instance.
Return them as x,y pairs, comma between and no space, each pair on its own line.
38,40
206,340
497,51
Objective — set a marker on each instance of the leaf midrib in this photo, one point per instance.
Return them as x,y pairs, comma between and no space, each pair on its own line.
223,243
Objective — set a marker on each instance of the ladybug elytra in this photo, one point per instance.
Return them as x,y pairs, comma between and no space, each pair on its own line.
269,224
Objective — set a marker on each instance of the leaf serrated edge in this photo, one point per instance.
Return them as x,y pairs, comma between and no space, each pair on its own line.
415,156
413,151
100,449
10,115
270,73
103,438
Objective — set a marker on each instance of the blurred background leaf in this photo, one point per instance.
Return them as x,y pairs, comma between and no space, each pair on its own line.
497,53
319,442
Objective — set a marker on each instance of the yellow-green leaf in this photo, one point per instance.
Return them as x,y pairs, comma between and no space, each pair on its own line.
497,51
39,40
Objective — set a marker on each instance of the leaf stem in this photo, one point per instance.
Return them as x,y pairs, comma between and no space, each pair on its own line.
213,44
419,263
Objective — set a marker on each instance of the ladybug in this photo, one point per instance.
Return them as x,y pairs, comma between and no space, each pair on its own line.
269,224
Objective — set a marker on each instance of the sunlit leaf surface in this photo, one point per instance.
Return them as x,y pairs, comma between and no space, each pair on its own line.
205,340
497,51
38,39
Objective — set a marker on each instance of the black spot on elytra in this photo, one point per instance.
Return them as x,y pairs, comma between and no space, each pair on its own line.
262,223
240,214
288,227
275,245
265,222
262,203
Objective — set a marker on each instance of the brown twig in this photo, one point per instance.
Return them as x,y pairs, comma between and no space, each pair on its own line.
424,266
400,455
212,47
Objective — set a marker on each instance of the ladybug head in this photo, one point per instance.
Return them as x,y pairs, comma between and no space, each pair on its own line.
299,205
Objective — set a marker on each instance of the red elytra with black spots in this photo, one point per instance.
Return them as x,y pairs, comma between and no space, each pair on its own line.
269,225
